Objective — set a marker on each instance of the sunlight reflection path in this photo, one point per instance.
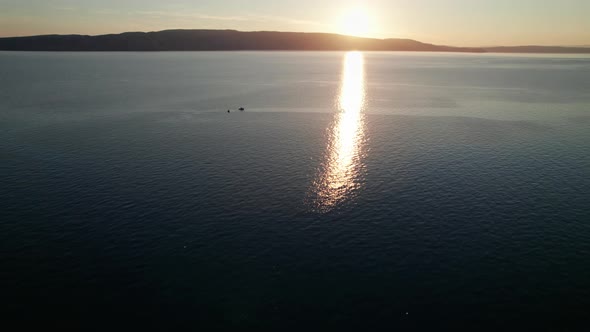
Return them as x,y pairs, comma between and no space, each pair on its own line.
339,177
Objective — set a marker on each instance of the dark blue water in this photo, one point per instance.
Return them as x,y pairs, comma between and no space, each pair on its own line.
458,195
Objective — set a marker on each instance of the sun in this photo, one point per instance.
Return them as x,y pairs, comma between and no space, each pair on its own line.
355,22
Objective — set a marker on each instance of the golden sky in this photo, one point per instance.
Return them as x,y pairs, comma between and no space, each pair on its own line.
451,22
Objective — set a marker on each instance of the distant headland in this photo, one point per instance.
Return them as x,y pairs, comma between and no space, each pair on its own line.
232,40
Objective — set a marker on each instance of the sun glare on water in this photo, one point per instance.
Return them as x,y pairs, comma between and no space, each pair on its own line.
341,175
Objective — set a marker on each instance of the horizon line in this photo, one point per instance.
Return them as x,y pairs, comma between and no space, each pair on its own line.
298,32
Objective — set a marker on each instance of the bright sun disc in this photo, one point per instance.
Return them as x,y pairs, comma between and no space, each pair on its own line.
355,23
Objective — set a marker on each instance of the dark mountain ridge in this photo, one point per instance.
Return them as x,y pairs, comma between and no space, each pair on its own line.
232,40
216,40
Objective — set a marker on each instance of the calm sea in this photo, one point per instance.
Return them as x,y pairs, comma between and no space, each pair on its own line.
356,190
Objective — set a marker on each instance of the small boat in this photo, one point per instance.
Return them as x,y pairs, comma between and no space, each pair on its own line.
241,109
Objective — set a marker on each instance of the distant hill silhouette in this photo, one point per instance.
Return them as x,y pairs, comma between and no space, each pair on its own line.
231,40
216,40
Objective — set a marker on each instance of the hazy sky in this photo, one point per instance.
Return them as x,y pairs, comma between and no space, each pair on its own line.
456,22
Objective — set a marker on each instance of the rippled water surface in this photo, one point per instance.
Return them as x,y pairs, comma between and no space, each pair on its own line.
357,190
